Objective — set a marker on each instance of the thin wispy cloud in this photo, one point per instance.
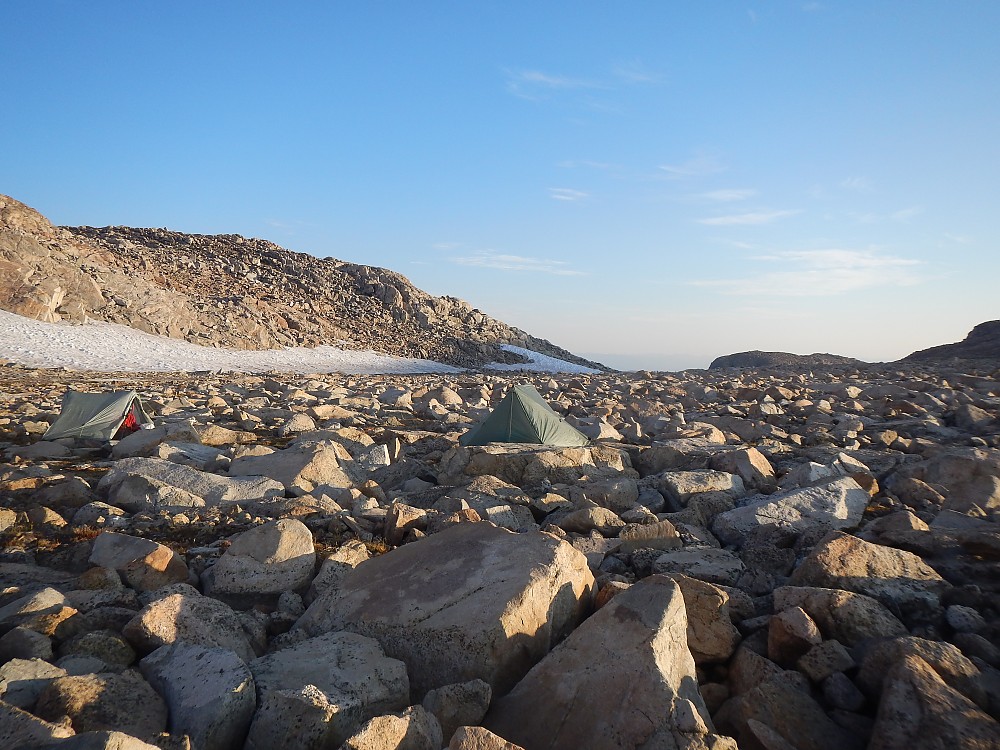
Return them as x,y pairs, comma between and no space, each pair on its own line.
698,166
567,194
586,163
634,72
752,218
820,273
905,214
534,84
504,262
446,245
861,184
727,196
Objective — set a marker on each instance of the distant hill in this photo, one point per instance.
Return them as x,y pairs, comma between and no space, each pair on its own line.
983,342
238,292
781,360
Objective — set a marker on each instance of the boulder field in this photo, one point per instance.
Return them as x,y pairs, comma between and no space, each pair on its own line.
755,558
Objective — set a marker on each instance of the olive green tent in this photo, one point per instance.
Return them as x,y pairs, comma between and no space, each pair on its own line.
524,417
103,416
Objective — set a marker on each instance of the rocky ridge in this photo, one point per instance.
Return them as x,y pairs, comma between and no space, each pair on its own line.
780,359
232,291
738,559
983,342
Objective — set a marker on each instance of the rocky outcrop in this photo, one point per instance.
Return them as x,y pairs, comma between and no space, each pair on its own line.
237,292
780,360
983,342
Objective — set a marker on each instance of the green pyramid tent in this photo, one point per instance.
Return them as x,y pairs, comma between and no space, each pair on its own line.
103,416
524,417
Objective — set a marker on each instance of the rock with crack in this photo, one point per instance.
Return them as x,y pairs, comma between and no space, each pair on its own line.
472,601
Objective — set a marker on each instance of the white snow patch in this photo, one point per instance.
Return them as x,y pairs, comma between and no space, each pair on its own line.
109,347
541,363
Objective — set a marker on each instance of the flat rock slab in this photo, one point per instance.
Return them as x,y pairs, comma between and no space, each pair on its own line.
472,601
837,504
299,467
619,681
212,488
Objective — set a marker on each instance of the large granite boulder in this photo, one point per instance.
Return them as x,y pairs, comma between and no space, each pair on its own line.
623,679
899,579
838,504
263,563
472,601
192,618
843,615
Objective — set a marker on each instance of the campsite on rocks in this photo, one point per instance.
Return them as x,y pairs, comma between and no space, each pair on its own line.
509,548
754,558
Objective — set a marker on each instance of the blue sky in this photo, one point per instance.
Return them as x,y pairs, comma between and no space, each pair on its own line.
652,184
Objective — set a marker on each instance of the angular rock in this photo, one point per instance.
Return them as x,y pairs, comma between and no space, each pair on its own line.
529,466
413,729
354,680
748,463
660,535
472,601
42,611
779,705
825,659
477,738
680,486
918,711
300,468
143,564
209,692
335,567
711,635
704,563
790,635
634,648
461,704
23,680
945,659
20,729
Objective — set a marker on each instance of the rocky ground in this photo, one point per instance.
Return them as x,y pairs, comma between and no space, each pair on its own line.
753,559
